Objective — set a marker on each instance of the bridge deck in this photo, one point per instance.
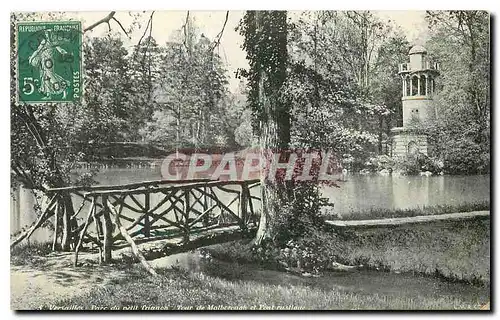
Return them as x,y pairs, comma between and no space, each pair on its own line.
154,249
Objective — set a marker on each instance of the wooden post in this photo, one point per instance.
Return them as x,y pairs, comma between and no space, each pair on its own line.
129,239
66,226
250,204
243,205
186,216
90,215
147,225
98,229
206,219
56,224
108,230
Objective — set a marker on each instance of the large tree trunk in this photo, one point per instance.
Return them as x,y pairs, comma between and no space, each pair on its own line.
275,123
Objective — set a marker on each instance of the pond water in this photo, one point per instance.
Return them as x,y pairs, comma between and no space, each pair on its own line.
364,192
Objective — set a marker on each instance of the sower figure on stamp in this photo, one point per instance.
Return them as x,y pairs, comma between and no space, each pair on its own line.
43,58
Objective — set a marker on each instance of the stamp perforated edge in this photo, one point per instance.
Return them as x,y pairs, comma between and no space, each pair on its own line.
16,65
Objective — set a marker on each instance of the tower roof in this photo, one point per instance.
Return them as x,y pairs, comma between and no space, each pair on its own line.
417,49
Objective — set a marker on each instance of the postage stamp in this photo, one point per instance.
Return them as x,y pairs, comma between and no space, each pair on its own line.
49,62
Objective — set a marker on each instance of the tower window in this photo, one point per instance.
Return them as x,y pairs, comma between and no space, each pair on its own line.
423,85
414,86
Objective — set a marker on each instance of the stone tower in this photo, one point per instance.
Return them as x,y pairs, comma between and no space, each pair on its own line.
418,106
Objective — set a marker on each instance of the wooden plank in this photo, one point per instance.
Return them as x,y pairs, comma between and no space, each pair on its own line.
141,207
134,185
151,189
186,217
409,220
202,215
227,190
205,207
99,231
168,246
165,199
79,209
177,234
222,205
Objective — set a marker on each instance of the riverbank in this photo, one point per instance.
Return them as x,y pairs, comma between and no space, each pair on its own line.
457,250
426,210
54,285
454,250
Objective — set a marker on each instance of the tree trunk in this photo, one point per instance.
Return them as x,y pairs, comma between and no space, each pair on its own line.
275,123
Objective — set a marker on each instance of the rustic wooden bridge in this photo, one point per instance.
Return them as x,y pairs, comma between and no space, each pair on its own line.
181,215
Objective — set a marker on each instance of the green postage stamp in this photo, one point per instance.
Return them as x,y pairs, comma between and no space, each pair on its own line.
49,62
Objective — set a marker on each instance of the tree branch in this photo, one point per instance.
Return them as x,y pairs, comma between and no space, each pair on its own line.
106,19
147,27
120,24
184,28
219,35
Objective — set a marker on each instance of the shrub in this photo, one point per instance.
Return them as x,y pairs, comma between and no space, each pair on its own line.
463,156
299,242
413,164
380,162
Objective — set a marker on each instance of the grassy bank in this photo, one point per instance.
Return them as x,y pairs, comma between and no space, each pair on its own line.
381,213
454,250
29,253
181,291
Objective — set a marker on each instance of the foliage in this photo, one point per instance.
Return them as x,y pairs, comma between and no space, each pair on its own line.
343,81
193,105
460,41
303,93
465,156
413,164
298,242
300,217
378,163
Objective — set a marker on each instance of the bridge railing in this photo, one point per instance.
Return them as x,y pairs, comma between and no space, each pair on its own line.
151,210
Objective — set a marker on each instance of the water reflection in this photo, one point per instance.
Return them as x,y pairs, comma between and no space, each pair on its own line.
364,192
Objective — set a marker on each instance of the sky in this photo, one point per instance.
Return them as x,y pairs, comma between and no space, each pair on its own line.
210,23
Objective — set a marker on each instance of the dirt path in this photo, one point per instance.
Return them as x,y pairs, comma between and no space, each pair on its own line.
53,279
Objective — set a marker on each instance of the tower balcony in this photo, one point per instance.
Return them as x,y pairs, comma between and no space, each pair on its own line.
423,66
